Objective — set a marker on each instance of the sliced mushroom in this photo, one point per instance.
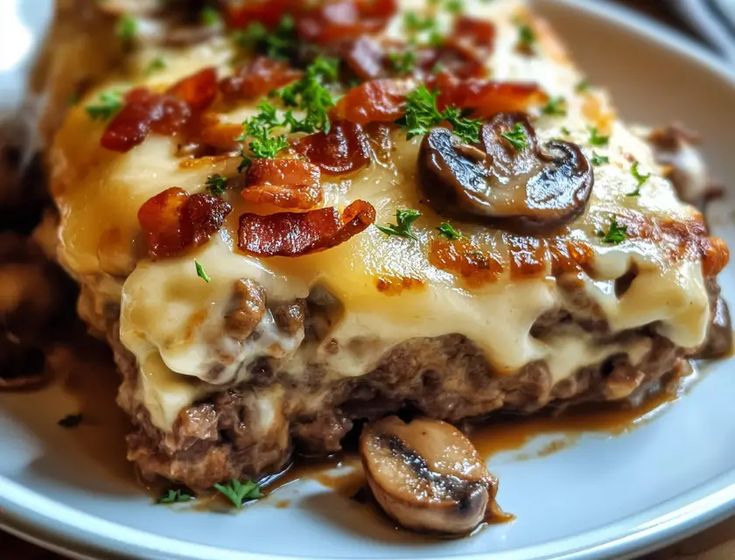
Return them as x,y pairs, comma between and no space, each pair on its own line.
507,180
426,475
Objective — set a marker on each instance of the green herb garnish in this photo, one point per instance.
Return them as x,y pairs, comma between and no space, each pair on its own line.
403,62
516,136
210,16
404,221
259,131
565,131
639,177
448,230
310,95
239,492
155,65
216,184
526,37
175,497
556,107
582,85
108,103
597,139
598,159
127,28
422,114
201,272
280,43
615,234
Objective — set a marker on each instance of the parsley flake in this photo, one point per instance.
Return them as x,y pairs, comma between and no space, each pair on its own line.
582,86
516,136
454,6
556,107
449,231
615,234
127,28
109,103
155,65
310,95
216,184
239,492
210,16
174,497
404,220
201,272
280,43
526,37
403,62
70,421
565,131
598,159
640,179
259,130
597,139
422,114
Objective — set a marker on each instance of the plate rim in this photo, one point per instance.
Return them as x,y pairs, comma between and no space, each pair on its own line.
85,536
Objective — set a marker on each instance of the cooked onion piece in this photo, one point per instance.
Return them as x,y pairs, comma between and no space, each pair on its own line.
426,475
507,181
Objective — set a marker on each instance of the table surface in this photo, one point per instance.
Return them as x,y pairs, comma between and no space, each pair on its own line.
717,543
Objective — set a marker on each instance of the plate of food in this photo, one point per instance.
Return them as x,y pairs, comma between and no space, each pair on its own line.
404,279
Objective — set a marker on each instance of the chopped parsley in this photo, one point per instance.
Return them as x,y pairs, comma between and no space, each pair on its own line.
216,184
402,62
449,231
639,177
422,114
598,159
174,497
582,85
426,27
597,139
526,37
201,272
109,103
239,492
280,43
565,131
210,16
556,107
70,421
404,220
127,28
310,95
516,136
155,65
258,131
615,234
454,6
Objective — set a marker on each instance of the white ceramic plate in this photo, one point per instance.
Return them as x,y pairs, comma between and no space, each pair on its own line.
603,497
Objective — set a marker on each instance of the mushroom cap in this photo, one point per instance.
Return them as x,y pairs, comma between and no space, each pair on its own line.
520,187
426,475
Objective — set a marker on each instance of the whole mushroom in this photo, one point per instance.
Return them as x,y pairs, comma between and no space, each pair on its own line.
426,475
506,180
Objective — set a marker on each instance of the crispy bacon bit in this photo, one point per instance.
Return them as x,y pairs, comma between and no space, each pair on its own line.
344,19
364,57
167,113
291,234
528,255
374,101
257,78
344,149
286,183
479,31
715,255
267,12
486,97
174,221
393,285
198,90
461,258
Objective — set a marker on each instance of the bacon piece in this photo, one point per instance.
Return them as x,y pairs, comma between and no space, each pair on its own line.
479,31
344,19
267,12
487,97
261,76
344,149
291,234
569,256
528,255
364,57
286,183
198,90
174,221
374,101
463,259
167,113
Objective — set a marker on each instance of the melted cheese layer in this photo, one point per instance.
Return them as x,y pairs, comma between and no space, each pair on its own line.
172,321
